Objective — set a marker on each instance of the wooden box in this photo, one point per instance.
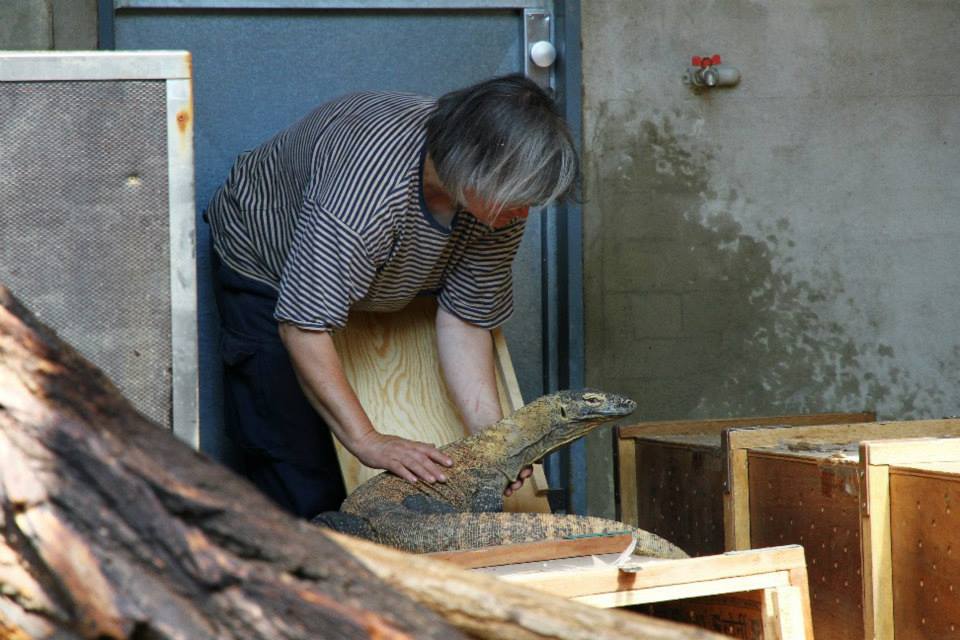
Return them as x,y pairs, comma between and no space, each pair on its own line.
672,476
756,594
853,505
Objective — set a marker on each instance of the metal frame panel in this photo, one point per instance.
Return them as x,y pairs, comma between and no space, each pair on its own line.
174,67
418,5
28,66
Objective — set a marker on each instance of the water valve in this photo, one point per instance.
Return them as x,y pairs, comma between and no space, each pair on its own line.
706,72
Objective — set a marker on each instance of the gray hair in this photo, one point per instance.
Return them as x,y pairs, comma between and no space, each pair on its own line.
505,140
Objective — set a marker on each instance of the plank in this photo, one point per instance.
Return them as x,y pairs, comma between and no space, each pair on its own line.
783,614
666,593
877,564
718,425
627,492
534,551
654,573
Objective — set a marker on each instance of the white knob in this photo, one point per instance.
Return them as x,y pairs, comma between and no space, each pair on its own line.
543,53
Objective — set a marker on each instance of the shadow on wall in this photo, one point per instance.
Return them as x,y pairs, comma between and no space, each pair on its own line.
701,318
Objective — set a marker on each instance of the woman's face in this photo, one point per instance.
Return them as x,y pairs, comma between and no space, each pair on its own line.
486,213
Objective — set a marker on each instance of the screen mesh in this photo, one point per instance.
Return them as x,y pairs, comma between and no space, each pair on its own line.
84,223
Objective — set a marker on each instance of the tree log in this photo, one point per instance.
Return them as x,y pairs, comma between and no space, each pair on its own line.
111,528
114,529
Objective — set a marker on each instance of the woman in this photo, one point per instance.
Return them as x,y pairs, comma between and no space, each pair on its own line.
367,202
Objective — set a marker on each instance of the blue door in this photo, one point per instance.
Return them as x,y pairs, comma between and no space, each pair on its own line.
259,65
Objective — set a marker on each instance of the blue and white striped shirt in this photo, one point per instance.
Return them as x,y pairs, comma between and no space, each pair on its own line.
330,212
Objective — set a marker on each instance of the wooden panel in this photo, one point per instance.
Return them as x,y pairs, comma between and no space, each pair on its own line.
579,577
736,615
625,481
535,551
925,512
392,362
679,427
794,500
682,500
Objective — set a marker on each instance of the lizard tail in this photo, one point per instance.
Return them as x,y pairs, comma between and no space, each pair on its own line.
422,533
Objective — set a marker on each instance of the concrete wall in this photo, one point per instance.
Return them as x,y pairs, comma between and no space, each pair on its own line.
48,24
789,245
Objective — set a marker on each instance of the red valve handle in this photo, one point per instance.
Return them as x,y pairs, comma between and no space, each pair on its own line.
705,61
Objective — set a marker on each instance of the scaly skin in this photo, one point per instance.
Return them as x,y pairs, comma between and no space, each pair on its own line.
465,512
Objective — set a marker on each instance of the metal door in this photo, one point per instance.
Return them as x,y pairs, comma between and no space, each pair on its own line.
259,65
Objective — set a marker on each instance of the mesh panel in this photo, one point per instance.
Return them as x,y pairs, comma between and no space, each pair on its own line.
84,238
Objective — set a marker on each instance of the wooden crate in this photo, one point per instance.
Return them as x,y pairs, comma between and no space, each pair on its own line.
736,442
853,504
671,476
760,593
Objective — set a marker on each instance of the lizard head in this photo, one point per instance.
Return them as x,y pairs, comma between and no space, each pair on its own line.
549,422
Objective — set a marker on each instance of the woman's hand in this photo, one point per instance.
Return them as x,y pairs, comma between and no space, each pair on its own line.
408,459
525,473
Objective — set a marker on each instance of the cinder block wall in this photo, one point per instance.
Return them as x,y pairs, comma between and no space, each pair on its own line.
48,24
789,245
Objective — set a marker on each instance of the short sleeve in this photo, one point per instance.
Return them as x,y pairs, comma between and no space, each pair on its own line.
478,288
326,272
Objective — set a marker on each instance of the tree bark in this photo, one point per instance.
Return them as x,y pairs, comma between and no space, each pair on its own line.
114,529
111,528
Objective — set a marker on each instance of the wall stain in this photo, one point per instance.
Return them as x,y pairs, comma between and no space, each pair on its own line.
755,337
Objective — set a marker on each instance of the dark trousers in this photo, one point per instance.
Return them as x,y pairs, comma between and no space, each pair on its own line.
284,447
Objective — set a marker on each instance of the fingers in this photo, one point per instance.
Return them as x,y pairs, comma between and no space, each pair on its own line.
525,473
414,461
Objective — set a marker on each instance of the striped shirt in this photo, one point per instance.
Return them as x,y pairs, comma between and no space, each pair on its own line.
330,212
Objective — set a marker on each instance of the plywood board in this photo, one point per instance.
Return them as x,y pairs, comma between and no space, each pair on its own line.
682,499
925,506
796,500
392,362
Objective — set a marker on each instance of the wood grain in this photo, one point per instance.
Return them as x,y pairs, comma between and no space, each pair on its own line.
392,362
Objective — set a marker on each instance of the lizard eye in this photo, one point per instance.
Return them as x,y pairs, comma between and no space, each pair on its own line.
592,398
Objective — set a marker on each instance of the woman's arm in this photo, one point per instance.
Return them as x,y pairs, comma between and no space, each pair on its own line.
466,358
321,377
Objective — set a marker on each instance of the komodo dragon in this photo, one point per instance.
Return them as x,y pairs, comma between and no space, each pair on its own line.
465,512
